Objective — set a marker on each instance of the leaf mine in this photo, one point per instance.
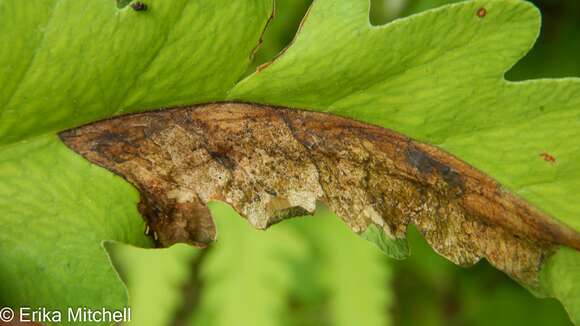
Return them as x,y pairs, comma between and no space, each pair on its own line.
272,163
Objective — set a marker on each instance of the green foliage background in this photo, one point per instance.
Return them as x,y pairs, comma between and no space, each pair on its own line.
310,271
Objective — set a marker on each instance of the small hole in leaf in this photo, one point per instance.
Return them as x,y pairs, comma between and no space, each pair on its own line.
481,12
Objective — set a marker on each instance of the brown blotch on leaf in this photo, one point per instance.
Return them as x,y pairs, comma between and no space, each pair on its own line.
272,163
481,12
548,158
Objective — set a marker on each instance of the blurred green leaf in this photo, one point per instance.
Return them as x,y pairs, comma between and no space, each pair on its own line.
252,277
555,54
155,279
354,274
247,274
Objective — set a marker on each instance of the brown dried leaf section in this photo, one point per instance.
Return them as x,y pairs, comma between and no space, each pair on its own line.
273,163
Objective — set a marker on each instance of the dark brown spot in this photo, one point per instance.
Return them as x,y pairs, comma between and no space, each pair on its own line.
223,160
420,160
481,12
427,165
139,6
548,158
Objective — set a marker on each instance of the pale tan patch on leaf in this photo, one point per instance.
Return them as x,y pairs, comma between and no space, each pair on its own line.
273,163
